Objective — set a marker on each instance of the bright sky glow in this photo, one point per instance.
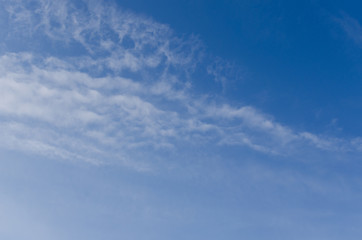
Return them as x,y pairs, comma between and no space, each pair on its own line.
202,120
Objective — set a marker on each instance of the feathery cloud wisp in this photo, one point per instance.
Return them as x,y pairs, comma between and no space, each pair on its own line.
115,84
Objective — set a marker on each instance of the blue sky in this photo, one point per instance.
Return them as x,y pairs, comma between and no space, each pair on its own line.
180,120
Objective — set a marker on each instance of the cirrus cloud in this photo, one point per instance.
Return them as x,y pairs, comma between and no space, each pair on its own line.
101,83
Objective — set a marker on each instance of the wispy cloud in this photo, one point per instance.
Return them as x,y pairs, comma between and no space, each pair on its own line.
124,86
352,28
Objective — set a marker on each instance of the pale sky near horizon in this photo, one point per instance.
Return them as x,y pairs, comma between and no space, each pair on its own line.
180,120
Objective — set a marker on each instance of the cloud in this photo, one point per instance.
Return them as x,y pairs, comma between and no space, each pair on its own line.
352,28
120,84
224,72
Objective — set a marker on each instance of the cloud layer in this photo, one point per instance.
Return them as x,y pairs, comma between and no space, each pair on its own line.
92,82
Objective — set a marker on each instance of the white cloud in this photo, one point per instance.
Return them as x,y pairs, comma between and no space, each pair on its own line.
128,91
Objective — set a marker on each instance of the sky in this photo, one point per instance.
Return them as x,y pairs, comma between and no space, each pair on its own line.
180,119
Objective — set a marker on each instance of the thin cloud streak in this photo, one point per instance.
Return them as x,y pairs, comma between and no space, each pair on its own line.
352,28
